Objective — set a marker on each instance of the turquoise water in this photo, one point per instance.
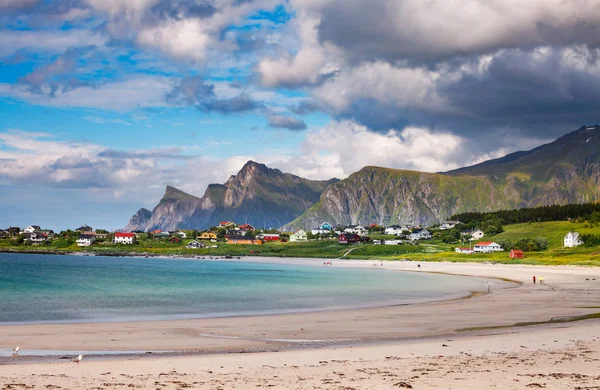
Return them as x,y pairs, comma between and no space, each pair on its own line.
46,288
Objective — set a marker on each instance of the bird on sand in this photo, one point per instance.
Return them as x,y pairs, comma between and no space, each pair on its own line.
16,351
78,359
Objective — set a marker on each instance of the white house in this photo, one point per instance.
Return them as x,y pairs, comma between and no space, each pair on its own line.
325,228
86,240
355,229
124,238
447,225
467,251
31,229
394,230
182,235
572,240
195,244
422,234
487,247
37,238
476,234
299,236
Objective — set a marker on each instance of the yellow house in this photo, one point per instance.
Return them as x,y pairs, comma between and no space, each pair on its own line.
208,236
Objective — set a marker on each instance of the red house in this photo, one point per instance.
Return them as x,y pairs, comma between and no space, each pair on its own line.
348,238
247,227
516,254
268,237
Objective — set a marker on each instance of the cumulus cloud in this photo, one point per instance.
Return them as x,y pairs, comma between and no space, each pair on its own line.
415,30
286,122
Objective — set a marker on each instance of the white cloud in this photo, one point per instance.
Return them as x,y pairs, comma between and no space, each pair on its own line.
54,41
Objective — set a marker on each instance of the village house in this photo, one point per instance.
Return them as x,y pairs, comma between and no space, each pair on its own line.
175,240
516,254
242,240
487,247
392,242
246,227
160,235
572,240
476,234
420,234
100,236
447,225
348,238
325,228
195,245
208,235
466,251
124,238
299,236
86,240
13,231
31,228
37,237
181,234
395,230
355,229
228,225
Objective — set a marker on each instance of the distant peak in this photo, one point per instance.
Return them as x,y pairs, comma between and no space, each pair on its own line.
175,193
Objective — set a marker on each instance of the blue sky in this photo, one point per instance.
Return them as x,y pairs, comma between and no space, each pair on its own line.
105,102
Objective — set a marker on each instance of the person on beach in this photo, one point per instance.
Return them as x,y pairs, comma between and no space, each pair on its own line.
534,280
541,280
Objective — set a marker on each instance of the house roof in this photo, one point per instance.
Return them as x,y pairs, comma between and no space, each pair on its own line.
225,223
516,251
246,226
299,230
485,243
394,227
465,249
124,235
87,236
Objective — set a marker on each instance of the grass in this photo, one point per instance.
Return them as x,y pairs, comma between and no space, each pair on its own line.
432,250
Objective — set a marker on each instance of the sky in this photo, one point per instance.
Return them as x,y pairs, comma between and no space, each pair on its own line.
103,103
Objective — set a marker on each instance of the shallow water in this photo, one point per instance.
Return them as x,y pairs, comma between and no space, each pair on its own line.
45,288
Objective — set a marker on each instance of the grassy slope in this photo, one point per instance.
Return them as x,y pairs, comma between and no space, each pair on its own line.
433,250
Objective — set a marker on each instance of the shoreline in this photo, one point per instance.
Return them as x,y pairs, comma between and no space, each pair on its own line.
559,297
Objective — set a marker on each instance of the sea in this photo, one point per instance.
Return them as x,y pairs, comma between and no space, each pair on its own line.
48,288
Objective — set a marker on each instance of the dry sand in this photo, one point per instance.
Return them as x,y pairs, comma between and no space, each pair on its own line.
392,347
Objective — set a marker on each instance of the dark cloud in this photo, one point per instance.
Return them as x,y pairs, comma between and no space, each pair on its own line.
287,122
419,31
58,75
195,91
18,4
307,107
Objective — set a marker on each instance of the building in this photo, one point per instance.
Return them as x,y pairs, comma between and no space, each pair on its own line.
13,231
31,228
299,236
247,227
516,254
355,229
420,234
476,234
195,245
466,251
487,247
182,235
572,240
227,225
208,235
124,238
37,237
242,240
268,237
348,238
86,240
447,225
101,236
325,228
161,235
175,240
395,230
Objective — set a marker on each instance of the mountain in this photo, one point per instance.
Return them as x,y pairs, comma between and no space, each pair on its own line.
257,195
564,171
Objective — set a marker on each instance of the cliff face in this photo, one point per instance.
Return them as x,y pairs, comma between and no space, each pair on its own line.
257,195
562,172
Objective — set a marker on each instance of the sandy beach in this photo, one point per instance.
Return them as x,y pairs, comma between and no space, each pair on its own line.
459,344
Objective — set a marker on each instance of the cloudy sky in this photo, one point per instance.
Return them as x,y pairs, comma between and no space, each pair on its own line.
105,102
